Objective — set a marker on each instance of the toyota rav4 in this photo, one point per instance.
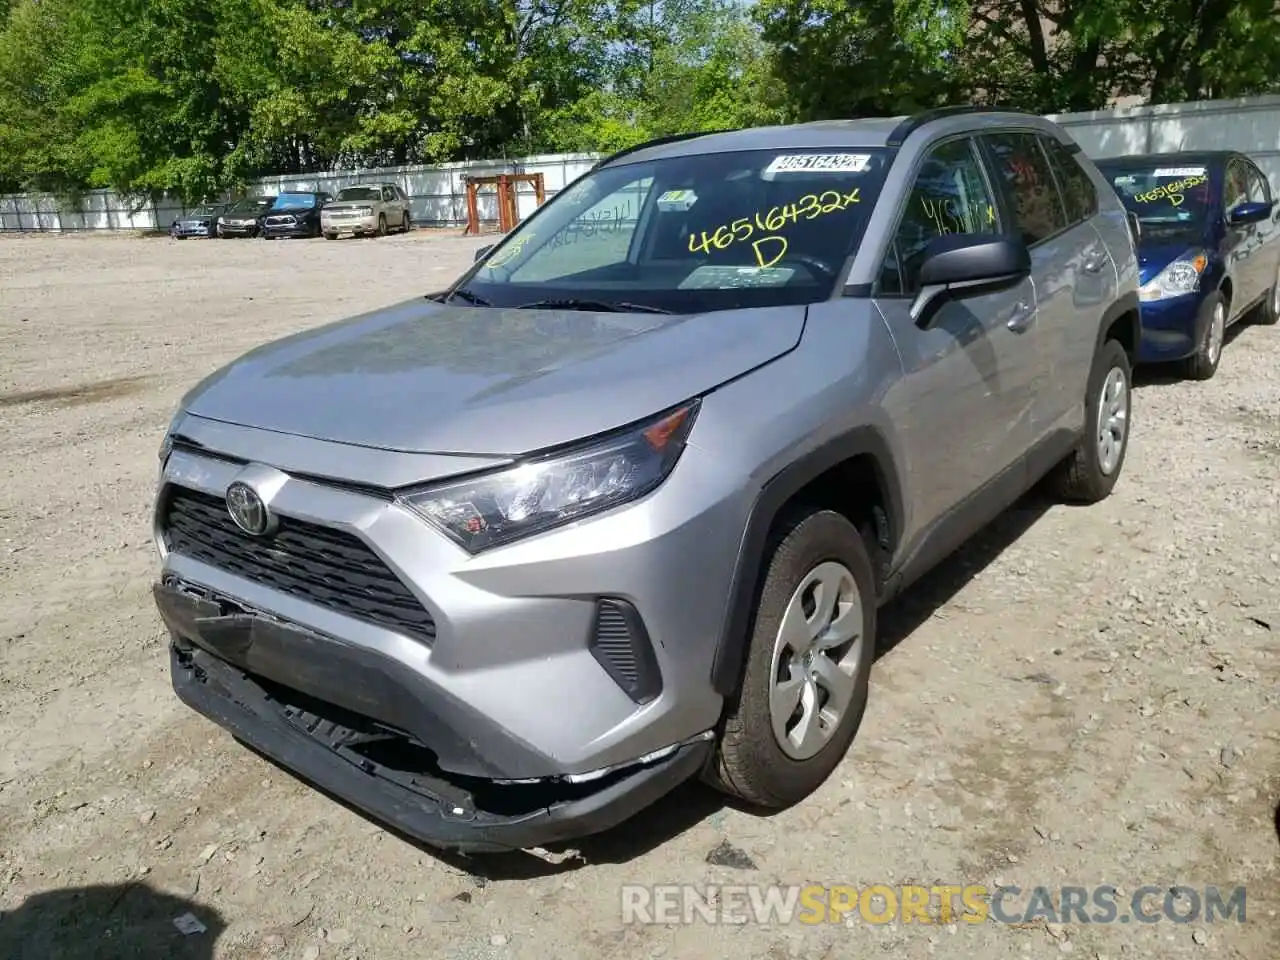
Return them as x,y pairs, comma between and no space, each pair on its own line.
504,564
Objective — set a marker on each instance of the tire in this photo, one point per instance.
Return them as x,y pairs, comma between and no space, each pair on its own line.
750,761
1269,312
382,225
1211,330
1082,477
405,223
331,236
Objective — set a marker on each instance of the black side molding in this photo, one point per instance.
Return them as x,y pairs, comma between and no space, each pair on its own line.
726,669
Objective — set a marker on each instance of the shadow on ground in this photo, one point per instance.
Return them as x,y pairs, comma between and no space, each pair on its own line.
106,922
1166,374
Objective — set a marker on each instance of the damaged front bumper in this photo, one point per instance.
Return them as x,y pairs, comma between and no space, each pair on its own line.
239,670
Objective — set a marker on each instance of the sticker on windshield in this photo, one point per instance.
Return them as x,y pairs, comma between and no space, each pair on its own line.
735,278
678,200
1180,172
818,163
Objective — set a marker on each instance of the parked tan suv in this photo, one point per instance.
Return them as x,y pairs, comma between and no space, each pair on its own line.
364,210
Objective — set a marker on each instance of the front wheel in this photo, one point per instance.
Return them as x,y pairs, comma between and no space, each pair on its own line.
808,665
1211,332
382,224
1089,473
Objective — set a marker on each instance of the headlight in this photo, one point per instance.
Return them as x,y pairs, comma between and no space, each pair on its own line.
366,211
166,442
496,508
1180,277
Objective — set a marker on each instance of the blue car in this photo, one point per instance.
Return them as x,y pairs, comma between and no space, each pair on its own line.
1208,250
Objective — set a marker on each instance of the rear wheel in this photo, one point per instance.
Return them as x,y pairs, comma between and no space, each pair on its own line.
1211,332
404,222
808,663
1089,472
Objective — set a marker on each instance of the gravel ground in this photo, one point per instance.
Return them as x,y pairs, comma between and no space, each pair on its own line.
1081,696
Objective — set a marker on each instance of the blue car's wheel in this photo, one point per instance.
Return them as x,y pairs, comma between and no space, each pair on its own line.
1269,312
1211,332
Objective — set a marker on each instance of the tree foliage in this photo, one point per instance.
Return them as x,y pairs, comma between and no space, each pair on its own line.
196,96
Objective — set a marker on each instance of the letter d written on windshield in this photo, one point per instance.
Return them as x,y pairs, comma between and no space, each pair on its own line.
772,247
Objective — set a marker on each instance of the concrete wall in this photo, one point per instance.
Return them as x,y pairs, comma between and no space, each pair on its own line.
1250,125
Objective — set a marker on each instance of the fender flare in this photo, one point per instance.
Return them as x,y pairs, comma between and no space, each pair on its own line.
731,647
1128,302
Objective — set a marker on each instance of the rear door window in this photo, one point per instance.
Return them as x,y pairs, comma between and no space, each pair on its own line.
1022,165
1078,193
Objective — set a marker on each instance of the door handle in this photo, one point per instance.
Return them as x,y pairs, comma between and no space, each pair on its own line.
1095,263
1023,315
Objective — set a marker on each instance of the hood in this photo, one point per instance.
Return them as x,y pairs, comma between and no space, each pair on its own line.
351,205
429,378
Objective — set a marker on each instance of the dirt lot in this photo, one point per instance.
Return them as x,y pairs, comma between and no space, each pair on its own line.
1082,696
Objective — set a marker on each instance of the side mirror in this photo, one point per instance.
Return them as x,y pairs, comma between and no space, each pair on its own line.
480,254
967,262
1249,212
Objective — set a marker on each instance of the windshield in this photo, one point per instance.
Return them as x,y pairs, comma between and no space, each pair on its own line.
690,234
204,210
1167,198
294,201
250,205
360,193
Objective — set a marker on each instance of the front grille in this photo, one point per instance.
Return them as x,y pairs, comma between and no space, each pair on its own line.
327,567
282,221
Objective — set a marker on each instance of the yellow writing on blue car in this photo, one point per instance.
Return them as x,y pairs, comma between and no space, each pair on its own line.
772,244
1174,192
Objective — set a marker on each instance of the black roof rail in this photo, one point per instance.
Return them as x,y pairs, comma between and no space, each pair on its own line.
656,142
915,122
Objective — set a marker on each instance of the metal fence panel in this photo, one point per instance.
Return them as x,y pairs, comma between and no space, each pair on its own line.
437,192
437,195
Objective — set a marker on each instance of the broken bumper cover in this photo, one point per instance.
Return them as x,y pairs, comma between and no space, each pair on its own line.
328,746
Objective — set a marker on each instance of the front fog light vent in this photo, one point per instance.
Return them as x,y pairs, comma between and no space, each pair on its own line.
621,645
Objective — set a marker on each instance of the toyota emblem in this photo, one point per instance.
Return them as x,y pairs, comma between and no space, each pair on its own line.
247,509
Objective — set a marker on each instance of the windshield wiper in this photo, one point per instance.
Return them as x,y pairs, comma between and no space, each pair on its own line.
600,306
467,295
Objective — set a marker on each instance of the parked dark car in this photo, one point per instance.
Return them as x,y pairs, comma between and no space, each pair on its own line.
1208,250
294,215
198,223
244,217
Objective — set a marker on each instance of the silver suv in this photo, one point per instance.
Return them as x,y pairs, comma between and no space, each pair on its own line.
662,453
368,209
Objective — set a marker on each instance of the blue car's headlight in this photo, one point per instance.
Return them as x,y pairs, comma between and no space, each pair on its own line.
499,507
1180,277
